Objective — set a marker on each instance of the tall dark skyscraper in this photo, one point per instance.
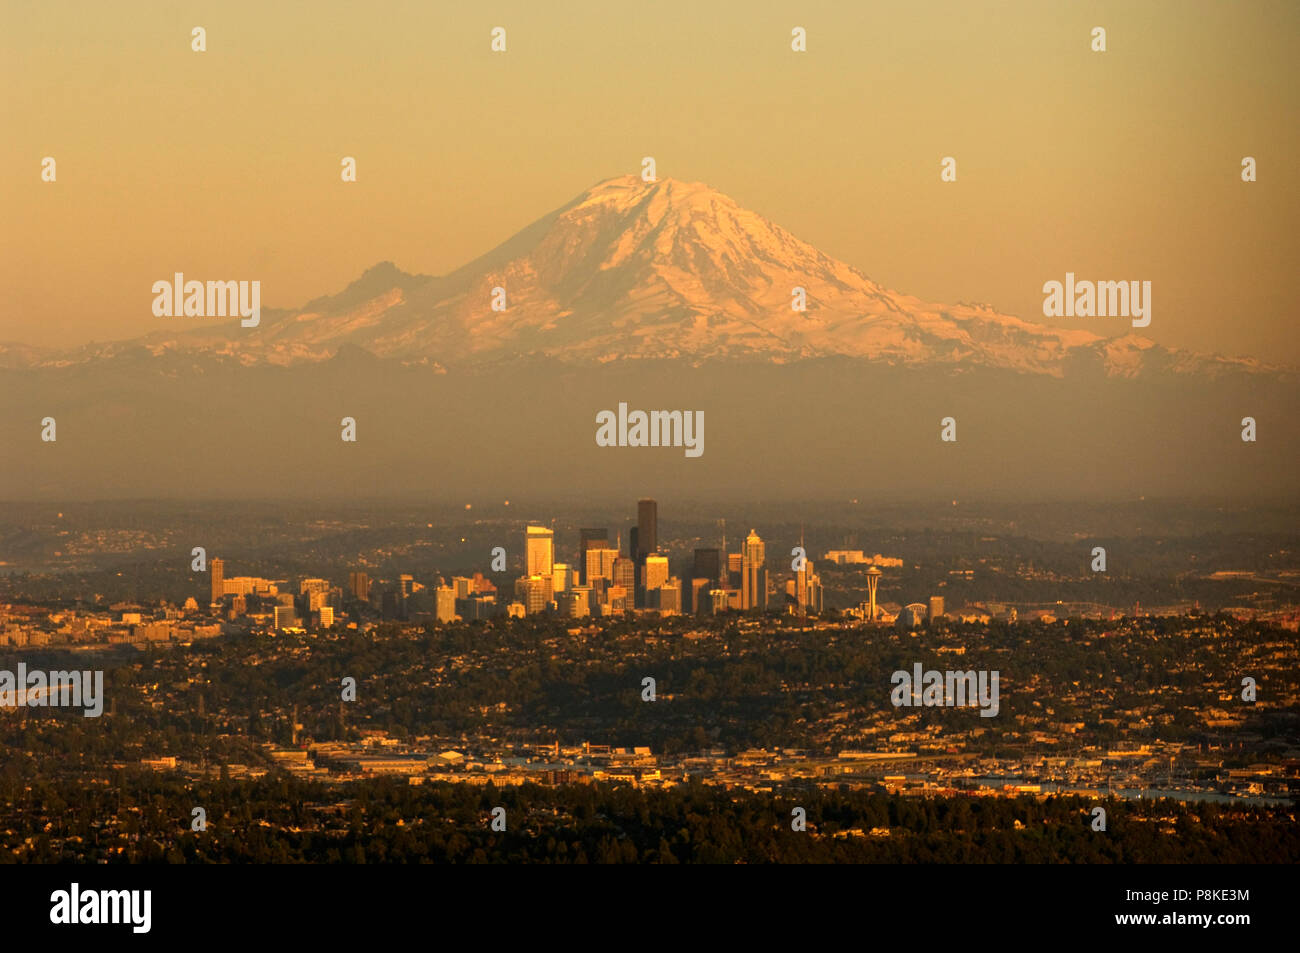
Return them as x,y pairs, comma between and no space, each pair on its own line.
708,565
647,525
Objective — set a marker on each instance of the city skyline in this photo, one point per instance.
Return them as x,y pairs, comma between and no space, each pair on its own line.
599,583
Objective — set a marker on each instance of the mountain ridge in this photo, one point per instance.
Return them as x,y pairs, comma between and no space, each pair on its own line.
669,270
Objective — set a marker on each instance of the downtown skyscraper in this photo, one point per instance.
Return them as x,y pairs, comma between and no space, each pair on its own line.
588,539
647,529
753,575
539,551
217,569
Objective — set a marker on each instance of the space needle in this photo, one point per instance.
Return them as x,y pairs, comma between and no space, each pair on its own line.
873,580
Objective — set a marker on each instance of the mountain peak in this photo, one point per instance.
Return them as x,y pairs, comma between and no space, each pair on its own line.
374,281
627,192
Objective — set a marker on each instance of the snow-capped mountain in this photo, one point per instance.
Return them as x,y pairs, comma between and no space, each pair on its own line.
669,269
663,295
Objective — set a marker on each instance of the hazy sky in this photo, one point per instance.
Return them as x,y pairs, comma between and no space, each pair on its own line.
225,164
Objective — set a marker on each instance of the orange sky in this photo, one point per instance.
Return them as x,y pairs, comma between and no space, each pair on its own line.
225,164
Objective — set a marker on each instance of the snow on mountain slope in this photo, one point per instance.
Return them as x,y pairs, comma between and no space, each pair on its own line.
670,269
